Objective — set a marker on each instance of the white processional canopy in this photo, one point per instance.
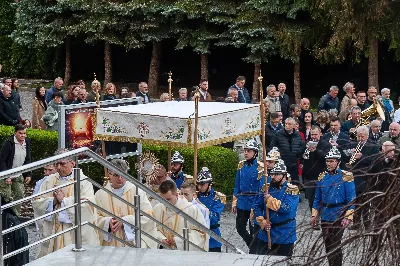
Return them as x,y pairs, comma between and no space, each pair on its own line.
172,123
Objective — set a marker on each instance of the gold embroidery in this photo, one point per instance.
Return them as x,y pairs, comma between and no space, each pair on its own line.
347,176
273,204
314,212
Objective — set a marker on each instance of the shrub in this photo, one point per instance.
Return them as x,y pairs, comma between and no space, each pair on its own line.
221,162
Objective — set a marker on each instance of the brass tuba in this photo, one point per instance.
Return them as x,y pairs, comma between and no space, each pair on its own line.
374,111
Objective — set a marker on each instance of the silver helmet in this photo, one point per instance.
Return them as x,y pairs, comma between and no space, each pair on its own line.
334,153
177,158
204,176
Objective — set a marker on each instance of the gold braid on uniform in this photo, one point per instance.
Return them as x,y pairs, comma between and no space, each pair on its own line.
347,176
321,175
260,169
241,164
292,189
221,196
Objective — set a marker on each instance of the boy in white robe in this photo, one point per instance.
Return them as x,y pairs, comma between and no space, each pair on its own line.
169,192
62,198
188,190
127,191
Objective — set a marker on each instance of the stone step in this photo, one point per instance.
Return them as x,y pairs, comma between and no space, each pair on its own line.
106,256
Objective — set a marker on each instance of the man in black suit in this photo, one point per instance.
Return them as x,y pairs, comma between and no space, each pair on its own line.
364,152
314,163
271,127
143,92
375,131
285,101
335,137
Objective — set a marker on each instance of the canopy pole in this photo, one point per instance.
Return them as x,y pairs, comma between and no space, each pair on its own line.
196,121
170,98
103,145
262,114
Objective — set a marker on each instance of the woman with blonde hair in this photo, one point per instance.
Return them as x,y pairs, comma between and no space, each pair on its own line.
164,97
110,92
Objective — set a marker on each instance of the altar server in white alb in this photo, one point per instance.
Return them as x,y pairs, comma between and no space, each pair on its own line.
126,190
199,238
188,190
63,198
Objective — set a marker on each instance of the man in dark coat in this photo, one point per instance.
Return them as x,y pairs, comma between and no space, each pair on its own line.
350,125
285,101
9,109
271,128
15,152
364,158
330,101
243,95
314,163
291,147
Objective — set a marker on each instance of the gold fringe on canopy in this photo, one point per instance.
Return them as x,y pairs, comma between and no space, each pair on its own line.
176,144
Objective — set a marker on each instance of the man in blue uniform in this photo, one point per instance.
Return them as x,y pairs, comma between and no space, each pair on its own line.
332,203
281,199
272,158
177,170
214,201
248,174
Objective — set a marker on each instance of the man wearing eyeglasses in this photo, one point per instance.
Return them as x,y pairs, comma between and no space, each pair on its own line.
64,197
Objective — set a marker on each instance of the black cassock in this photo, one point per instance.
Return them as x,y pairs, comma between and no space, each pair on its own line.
14,240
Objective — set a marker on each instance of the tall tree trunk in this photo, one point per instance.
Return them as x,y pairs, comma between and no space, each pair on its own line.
67,74
107,63
373,79
154,68
256,84
204,66
296,76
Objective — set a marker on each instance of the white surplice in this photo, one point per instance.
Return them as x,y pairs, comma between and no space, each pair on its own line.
127,213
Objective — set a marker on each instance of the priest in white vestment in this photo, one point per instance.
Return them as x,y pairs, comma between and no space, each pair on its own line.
126,190
62,198
169,191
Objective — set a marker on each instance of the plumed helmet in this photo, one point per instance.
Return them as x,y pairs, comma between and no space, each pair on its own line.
279,168
274,154
177,158
251,145
334,153
204,176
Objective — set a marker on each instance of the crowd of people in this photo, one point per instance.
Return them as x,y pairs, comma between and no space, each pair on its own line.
327,153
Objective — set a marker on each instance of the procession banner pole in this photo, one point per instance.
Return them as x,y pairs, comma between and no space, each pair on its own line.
196,121
103,145
170,98
262,114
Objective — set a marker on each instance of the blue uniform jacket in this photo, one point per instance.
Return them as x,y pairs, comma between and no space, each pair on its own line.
247,184
214,204
178,179
282,207
333,196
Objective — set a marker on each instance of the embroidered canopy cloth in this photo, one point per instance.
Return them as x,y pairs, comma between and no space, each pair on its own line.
172,123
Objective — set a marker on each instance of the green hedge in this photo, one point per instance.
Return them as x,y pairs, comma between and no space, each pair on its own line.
221,162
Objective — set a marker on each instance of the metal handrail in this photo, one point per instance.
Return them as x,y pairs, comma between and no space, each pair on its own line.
12,173
17,202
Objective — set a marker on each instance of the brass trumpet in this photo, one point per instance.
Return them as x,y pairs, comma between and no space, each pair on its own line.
353,156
